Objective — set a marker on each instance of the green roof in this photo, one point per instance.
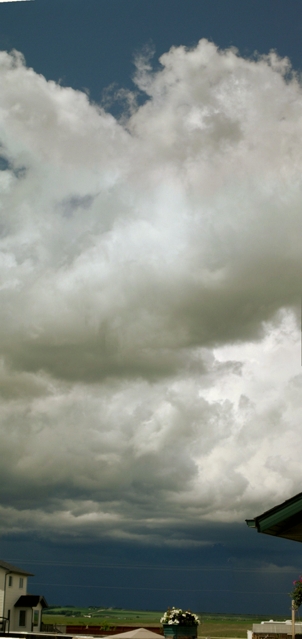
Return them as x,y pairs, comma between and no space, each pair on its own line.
284,520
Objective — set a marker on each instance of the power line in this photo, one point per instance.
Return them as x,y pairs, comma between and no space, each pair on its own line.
250,592
148,567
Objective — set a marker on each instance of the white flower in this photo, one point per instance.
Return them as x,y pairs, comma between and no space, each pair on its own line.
177,616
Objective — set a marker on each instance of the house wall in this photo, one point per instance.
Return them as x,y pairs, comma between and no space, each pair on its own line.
37,617
2,582
276,627
275,630
12,586
12,594
15,623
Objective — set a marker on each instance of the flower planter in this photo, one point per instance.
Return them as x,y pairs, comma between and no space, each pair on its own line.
173,631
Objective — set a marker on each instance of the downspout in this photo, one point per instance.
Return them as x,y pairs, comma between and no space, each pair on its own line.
8,572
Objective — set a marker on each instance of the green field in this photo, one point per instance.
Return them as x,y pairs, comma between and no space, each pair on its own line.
101,616
212,625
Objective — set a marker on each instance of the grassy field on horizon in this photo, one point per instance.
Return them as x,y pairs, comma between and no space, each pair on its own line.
212,625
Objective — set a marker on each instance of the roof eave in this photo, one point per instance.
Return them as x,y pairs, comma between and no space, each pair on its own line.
283,520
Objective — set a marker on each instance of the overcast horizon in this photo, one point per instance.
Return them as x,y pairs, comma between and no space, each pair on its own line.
150,247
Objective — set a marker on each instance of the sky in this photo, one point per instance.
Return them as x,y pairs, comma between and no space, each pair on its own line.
150,248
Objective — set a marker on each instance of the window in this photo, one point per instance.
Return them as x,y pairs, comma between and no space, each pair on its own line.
22,618
10,580
35,617
21,582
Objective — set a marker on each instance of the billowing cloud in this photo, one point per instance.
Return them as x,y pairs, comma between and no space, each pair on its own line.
150,280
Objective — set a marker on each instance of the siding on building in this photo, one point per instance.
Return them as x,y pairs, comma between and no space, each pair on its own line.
276,630
13,584
2,586
13,593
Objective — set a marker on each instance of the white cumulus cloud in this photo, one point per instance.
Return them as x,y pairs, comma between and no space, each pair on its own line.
150,373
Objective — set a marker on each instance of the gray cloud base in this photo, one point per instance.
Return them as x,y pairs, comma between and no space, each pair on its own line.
150,281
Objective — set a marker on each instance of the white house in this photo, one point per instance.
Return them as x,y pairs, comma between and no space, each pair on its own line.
18,610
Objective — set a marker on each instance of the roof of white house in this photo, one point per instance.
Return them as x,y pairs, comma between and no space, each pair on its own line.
31,601
11,568
138,633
